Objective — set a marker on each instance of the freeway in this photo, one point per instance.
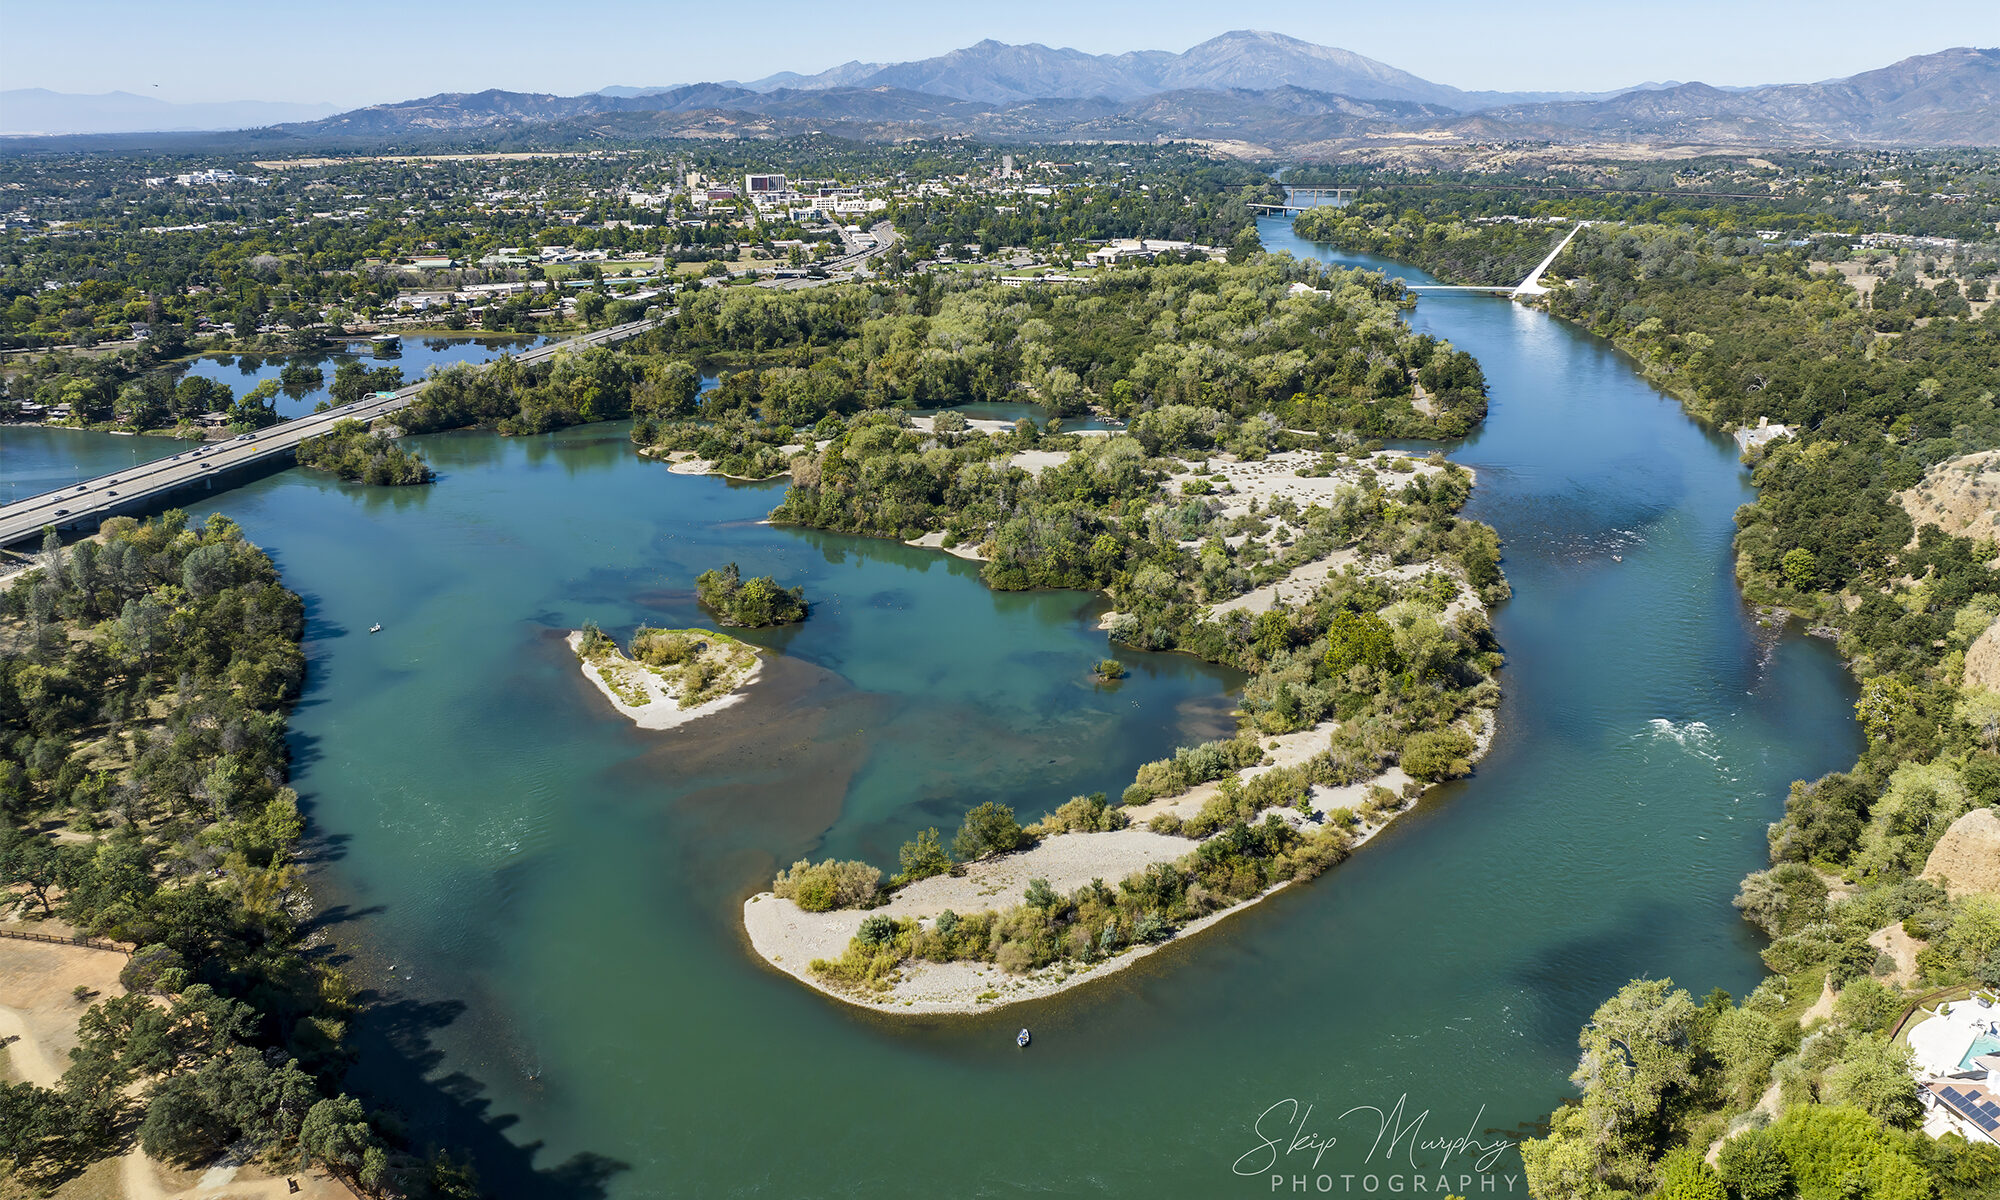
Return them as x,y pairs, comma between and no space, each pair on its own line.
141,486
849,264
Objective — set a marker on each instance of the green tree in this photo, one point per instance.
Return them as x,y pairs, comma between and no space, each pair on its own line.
990,828
922,858
1684,1176
1875,1075
336,1132
1638,1050
1800,567
1754,1166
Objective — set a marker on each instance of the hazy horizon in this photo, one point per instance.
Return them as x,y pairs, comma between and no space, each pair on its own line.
1555,45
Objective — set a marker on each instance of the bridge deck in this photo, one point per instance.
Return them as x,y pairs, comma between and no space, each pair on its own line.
139,487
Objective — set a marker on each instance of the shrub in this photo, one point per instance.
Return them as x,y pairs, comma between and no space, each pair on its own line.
1192,765
828,885
1081,814
1684,1176
1437,754
142,973
922,858
1754,1167
876,930
989,829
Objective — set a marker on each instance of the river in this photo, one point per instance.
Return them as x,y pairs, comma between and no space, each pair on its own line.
545,900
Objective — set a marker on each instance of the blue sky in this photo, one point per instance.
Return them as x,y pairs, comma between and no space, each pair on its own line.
370,51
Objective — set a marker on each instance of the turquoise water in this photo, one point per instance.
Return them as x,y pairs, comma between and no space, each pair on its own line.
1985,1043
36,458
559,893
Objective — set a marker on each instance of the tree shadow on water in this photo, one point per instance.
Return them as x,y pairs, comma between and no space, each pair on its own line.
396,1038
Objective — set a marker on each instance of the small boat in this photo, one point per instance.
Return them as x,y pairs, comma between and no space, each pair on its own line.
386,339
1021,1039
375,628
1617,558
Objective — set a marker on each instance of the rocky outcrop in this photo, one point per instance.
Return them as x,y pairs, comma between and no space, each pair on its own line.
1967,858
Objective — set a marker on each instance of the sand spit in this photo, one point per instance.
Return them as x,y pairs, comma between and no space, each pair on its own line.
789,938
662,709
934,540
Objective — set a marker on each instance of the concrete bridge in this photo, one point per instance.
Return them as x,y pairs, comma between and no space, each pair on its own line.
145,486
1299,199
1531,286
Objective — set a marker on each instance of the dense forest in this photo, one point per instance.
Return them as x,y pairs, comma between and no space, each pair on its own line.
1684,1097
143,688
1316,349
1202,202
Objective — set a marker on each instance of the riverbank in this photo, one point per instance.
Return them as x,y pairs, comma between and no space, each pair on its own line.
656,698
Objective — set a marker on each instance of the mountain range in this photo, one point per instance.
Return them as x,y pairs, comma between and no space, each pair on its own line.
37,110
1261,92
1247,59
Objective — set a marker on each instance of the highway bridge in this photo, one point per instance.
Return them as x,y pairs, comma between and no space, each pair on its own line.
145,486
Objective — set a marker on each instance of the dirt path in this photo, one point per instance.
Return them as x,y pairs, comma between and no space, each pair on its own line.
228,1180
38,1004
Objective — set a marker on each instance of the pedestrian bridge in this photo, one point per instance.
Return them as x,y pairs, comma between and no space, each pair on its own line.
1531,286
140,488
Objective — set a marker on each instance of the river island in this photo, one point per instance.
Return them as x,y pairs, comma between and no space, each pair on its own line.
670,676
1388,691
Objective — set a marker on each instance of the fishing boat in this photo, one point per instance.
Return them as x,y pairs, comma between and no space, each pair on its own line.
376,628
1021,1039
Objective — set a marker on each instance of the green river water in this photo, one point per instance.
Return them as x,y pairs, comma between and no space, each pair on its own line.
558,893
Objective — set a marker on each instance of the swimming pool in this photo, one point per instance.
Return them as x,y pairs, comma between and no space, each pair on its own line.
1985,1043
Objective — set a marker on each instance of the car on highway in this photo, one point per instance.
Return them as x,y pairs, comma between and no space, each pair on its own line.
110,493
62,512
208,466
243,437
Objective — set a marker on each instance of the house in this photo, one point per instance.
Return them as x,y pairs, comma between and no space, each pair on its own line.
1955,1053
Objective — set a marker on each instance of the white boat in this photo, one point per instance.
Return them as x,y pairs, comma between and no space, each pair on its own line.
385,339
377,628
1021,1039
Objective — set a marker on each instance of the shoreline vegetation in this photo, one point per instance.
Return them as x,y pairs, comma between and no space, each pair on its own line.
1242,517
670,676
145,677
1871,376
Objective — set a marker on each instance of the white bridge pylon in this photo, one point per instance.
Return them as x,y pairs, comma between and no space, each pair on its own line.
1531,286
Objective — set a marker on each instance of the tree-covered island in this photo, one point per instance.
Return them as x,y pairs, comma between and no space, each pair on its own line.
749,603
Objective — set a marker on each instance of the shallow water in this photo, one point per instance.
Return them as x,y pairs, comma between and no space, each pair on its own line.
559,892
414,356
